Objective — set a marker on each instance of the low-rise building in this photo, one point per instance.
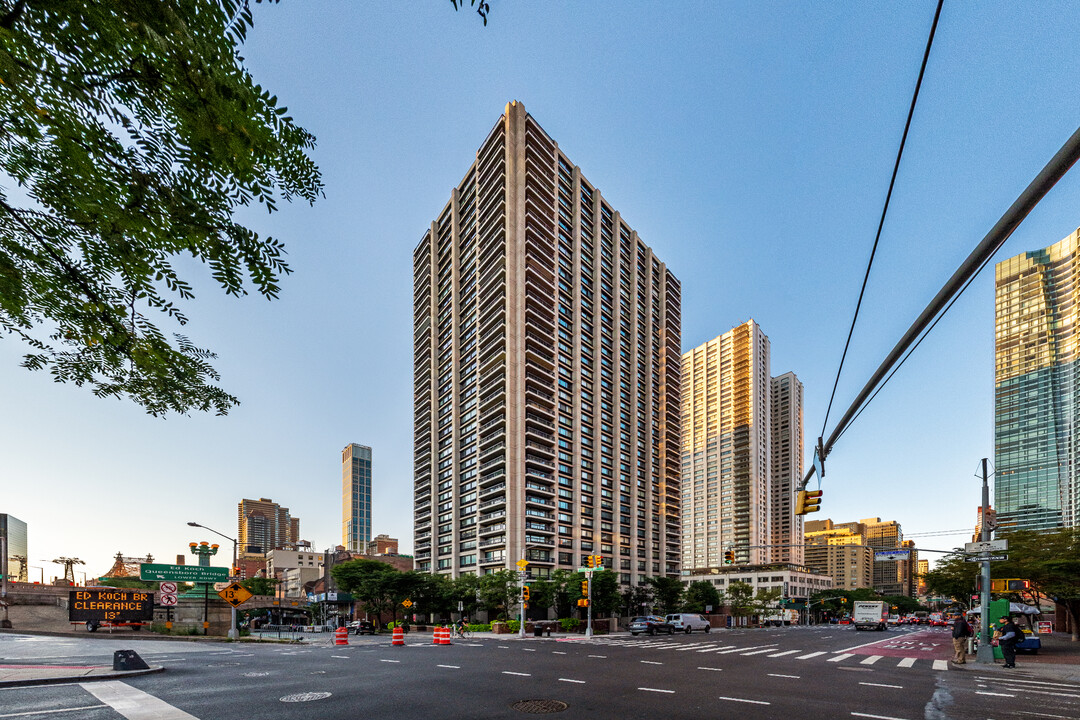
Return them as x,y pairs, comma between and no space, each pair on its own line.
796,582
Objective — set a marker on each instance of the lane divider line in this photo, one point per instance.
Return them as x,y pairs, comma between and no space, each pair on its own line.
744,700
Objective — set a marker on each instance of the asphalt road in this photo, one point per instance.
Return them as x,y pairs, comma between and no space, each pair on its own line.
789,673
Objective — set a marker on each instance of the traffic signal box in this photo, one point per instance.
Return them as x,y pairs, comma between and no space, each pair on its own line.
525,593
808,501
1007,585
729,557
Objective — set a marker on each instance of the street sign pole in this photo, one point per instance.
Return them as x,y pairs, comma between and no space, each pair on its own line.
985,653
588,625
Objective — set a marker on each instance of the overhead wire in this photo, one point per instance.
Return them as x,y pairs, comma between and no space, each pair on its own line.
884,209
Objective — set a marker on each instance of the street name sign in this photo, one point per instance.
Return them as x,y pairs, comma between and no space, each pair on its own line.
110,605
983,558
891,555
183,573
986,546
588,569
236,594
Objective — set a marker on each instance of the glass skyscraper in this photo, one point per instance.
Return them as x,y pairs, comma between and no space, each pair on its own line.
355,497
1036,381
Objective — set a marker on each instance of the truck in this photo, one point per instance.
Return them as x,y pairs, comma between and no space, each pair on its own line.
870,614
780,616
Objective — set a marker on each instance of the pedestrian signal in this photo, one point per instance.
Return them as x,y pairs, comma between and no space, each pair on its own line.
808,501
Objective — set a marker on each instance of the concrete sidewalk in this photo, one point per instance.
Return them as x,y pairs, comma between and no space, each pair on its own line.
20,675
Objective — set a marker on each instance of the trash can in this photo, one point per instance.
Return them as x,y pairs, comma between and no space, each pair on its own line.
128,660
538,630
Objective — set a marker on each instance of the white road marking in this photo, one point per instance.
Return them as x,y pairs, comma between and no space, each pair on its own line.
452,667
714,649
46,712
898,687
871,660
599,656
503,647
1033,682
132,703
650,662
941,664
752,647
507,672
579,682
556,652
695,646
529,649
343,657
758,652
744,700
877,717
670,692
838,658
1033,691
875,642
810,655
980,692
906,662
793,677
786,652
393,661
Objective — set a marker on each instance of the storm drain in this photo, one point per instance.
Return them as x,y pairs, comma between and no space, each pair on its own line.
539,707
305,697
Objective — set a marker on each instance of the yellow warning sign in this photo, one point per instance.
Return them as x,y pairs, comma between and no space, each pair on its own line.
236,594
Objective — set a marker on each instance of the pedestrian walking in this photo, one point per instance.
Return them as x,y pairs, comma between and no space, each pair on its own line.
1010,635
961,631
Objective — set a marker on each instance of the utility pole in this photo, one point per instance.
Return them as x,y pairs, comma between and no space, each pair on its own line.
985,654
5,623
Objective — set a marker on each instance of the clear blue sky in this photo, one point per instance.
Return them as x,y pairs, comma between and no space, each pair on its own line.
750,145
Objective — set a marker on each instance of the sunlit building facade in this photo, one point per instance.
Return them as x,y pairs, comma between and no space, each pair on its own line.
546,374
785,468
1036,381
355,497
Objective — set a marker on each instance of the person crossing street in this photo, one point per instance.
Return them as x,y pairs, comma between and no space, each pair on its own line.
960,633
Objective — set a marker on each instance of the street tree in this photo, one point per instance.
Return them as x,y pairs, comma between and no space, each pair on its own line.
636,599
739,597
668,593
699,595
499,592
606,597
766,600
1050,561
372,583
953,578
260,585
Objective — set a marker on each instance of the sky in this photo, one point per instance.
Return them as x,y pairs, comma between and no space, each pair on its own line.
749,144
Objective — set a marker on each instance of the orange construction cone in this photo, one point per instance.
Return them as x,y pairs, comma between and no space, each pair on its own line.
341,636
445,636
399,636
436,638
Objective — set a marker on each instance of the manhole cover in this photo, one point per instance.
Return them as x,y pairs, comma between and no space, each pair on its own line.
539,706
306,697
256,674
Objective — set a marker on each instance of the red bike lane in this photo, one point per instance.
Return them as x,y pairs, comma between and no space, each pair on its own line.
929,644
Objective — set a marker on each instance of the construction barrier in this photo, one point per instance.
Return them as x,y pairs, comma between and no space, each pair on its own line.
445,639
436,638
341,636
399,636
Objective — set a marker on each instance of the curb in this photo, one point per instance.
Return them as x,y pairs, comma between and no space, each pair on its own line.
114,675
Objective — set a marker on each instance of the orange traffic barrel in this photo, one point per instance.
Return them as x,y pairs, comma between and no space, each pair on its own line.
436,638
445,636
399,636
341,636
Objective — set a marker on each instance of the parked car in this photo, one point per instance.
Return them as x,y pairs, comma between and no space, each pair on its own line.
650,624
688,622
361,627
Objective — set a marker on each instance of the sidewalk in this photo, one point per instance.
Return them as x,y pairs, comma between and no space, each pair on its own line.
22,675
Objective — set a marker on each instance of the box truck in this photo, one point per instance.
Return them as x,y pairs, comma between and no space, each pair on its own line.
870,615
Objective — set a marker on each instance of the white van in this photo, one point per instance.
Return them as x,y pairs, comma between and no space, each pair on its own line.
688,622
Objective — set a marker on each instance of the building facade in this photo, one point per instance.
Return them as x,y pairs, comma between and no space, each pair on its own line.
1036,376
15,563
355,497
546,381
786,468
263,525
796,582
891,577
840,552
742,448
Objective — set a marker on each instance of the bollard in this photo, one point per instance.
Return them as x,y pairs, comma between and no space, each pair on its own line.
399,636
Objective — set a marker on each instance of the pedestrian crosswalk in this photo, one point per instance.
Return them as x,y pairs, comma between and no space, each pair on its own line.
712,646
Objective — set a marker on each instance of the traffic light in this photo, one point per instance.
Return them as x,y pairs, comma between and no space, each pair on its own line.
585,588
525,593
598,561
583,603
729,557
808,501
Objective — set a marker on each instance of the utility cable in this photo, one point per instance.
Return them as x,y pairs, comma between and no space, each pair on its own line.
885,209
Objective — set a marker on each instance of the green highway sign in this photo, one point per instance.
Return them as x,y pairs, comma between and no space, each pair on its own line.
183,573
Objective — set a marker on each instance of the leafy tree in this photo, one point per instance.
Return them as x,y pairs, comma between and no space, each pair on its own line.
766,600
260,585
634,598
953,578
134,133
499,592
668,592
1050,561
699,595
463,589
606,597
562,581
740,598
371,582
902,604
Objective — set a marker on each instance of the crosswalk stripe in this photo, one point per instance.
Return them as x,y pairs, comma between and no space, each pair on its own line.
871,660
759,652
810,655
941,664
838,658
754,647
786,652
714,649
906,662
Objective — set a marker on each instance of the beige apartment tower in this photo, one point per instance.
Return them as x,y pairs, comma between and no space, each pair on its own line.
786,468
264,525
546,338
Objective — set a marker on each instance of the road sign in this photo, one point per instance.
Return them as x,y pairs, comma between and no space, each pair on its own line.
236,594
523,575
406,603
589,570
110,605
880,555
987,546
167,600
521,564
981,558
183,573
167,588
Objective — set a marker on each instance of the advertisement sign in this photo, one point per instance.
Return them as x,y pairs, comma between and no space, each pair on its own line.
110,605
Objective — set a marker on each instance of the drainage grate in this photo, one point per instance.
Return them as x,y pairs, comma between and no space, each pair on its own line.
538,707
305,697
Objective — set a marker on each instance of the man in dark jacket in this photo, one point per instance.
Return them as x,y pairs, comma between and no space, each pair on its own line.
961,631
1010,635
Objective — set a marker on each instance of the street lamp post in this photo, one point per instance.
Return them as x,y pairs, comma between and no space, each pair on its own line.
232,623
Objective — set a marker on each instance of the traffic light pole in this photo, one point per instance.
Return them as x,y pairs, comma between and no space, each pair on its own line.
985,653
588,621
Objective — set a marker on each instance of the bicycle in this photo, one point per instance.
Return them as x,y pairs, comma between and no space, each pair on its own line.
462,632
